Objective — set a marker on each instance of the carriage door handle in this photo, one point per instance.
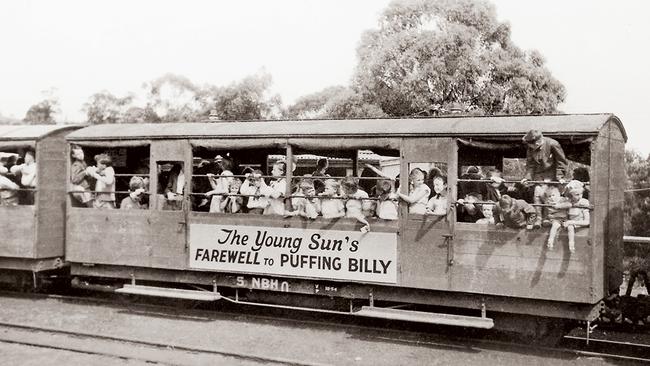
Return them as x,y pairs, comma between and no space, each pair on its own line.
449,239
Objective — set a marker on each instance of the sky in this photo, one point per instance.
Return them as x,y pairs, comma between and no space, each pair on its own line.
599,50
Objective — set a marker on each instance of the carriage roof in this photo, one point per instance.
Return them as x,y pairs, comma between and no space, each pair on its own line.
492,126
29,132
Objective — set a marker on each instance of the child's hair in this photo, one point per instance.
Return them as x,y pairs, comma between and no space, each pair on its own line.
236,182
384,188
226,163
104,159
575,186
321,164
440,177
492,172
505,202
306,184
74,147
282,165
549,190
136,183
350,184
333,183
416,174
256,174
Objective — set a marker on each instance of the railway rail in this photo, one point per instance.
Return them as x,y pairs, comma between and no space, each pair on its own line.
386,331
131,349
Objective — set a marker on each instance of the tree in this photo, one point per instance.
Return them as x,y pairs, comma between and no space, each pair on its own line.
104,107
333,102
248,99
637,199
42,112
174,98
434,53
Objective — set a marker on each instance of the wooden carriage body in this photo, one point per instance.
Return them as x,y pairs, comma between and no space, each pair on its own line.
436,260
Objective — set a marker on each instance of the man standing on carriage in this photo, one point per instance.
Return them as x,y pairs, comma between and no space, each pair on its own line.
545,161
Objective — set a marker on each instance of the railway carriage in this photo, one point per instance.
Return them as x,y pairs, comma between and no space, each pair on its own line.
33,231
480,275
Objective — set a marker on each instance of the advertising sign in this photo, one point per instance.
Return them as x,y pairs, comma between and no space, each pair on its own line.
330,254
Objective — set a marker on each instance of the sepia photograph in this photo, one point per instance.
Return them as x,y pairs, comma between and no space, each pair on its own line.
324,182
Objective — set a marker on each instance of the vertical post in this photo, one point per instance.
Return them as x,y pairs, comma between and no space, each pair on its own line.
355,164
289,175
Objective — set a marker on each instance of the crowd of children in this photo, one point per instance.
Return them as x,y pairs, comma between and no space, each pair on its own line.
550,201
483,199
18,180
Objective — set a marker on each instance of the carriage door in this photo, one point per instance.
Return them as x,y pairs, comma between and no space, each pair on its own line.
426,249
170,162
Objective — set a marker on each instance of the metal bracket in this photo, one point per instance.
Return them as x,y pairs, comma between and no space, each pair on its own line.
449,239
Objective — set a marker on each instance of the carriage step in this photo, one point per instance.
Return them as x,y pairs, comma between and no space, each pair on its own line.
169,292
424,317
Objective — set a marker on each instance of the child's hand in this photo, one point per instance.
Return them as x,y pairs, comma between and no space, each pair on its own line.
461,201
499,225
496,179
529,227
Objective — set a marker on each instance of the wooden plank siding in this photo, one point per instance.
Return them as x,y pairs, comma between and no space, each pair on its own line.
142,238
617,183
423,249
516,263
18,231
51,196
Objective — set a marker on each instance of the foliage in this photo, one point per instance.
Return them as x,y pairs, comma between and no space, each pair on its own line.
104,107
334,102
440,52
174,98
246,100
637,203
43,112
313,105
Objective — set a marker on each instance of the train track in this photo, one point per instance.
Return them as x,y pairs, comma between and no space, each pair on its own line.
132,349
165,353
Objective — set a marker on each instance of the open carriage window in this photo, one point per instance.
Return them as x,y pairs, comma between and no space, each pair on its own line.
18,176
491,169
109,178
353,183
236,181
427,189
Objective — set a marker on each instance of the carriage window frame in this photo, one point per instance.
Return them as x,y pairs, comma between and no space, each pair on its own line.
98,147
296,147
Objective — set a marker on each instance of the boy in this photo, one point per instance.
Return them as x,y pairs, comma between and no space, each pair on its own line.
134,200
252,187
514,214
545,161
105,185
78,179
276,190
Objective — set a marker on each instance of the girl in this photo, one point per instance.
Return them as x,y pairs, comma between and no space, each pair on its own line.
105,185
304,202
387,204
331,206
78,180
276,190
354,204
437,205
253,186
233,203
419,195
220,185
